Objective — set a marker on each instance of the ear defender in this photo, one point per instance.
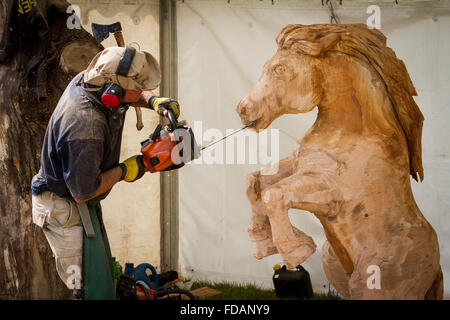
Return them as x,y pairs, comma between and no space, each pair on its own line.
113,93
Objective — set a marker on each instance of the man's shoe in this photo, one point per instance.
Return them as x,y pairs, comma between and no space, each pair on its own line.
77,295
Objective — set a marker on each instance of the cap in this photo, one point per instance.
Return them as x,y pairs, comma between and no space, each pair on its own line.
144,73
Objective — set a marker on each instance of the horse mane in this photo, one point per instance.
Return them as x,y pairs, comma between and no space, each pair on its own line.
368,45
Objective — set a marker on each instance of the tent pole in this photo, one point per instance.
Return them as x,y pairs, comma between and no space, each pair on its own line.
168,180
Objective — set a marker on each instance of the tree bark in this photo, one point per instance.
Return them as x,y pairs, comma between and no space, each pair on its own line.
29,91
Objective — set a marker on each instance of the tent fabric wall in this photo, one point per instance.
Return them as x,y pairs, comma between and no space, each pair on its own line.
131,211
221,50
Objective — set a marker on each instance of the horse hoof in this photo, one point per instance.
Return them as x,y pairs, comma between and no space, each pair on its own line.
298,255
263,248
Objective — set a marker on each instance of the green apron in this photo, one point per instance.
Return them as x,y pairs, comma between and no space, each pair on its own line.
98,272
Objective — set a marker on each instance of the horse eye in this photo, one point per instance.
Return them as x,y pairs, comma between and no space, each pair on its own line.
279,69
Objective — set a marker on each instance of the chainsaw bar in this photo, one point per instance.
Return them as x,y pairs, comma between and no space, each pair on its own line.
230,134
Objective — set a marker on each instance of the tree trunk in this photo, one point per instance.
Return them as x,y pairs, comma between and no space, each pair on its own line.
31,83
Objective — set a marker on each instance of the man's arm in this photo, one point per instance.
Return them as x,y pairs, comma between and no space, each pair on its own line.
108,180
146,95
143,100
130,170
111,177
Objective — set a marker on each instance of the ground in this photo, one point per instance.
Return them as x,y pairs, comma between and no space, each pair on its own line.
236,291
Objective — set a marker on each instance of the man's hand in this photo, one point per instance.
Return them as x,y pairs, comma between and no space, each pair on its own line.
160,104
132,169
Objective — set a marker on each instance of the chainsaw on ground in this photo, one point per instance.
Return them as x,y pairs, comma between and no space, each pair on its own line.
172,146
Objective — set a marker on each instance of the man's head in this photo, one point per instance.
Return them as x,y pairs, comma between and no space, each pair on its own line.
123,73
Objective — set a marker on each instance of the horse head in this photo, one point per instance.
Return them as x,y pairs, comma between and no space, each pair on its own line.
298,78
290,81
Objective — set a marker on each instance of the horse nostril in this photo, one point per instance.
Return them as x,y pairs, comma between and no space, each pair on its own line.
244,109
241,108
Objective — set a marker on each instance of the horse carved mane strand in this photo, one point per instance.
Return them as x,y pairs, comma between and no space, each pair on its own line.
368,45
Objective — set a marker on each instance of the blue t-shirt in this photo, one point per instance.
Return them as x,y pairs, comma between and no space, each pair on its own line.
82,140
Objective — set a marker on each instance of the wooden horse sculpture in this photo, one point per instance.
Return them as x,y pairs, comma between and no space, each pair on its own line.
351,169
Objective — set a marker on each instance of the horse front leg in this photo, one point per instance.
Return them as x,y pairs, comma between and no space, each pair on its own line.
259,229
303,191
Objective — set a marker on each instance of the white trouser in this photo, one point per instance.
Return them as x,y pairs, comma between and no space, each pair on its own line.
60,220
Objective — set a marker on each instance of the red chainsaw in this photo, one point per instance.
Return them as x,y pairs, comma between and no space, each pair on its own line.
172,146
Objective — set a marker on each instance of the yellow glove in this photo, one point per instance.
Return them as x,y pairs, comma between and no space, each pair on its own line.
132,169
159,104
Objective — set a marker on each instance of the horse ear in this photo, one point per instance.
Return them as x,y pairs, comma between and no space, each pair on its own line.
315,47
285,32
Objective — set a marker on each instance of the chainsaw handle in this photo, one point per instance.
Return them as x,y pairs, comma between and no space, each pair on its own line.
173,123
172,119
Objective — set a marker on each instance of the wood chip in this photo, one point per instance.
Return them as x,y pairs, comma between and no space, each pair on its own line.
205,292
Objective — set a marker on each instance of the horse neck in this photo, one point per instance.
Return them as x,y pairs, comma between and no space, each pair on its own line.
355,104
